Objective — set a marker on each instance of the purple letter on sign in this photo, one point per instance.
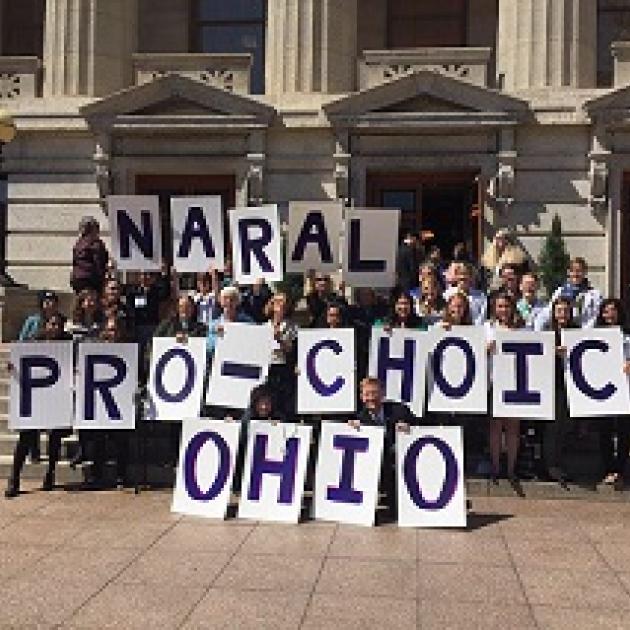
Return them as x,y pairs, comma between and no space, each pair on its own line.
29,382
255,246
196,227
318,385
450,481
313,231
405,364
103,387
522,395
356,263
345,493
189,383
286,469
575,363
438,357
190,466
128,230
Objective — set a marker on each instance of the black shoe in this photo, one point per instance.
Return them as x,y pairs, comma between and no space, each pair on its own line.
36,457
49,482
13,490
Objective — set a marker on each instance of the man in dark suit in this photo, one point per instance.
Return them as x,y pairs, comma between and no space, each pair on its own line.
393,417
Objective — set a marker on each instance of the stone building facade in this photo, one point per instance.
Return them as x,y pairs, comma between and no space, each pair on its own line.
470,115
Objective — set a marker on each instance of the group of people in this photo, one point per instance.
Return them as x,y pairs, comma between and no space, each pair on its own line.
502,292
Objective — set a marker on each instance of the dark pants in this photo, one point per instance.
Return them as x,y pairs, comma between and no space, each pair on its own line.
555,434
283,383
119,438
609,427
25,444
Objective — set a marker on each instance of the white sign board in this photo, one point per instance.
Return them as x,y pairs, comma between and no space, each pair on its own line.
256,244
274,471
398,358
207,456
241,362
41,386
371,241
106,386
198,242
523,367
134,222
348,473
314,235
326,371
458,376
596,384
430,475
176,378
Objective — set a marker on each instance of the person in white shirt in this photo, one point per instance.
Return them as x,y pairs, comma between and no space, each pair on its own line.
477,299
577,289
530,306
614,431
503,314
206,297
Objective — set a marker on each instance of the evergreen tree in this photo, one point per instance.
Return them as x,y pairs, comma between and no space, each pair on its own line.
554,258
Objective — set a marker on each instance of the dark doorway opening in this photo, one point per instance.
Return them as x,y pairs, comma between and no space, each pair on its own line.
444,204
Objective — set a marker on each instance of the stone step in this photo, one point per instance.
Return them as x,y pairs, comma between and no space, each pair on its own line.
546,490
68,445
63,475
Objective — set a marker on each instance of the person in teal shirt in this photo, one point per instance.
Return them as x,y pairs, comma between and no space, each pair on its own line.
48,302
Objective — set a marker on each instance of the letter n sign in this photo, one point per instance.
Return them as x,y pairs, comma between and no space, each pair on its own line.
134,222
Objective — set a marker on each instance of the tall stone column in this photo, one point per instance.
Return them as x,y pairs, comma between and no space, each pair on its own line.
311,46
88,46
547,44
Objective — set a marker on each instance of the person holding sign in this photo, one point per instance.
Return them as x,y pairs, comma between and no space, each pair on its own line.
430,305
393,417
555,435
262,406
611,314
503,314
206,296
319,292
457,313
464,284
87,320
113,332
229,301
52,330
182,325
284,353
402,314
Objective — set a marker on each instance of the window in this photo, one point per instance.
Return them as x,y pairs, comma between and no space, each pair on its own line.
237,26
412,24
613,25
23,28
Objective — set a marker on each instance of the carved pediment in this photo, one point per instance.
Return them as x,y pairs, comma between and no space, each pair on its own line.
613,107
176,106
426,93
178,97
425,103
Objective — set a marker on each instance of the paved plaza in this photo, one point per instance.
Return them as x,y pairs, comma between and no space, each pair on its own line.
115,560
